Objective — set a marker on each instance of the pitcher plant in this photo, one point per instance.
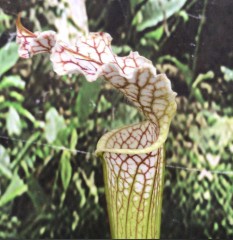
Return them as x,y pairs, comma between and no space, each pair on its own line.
132,156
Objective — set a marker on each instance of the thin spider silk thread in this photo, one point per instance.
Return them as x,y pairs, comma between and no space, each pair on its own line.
229,173
47,145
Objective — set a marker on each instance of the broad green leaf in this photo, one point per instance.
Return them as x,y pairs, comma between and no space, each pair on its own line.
8,56
222,131
74,139
15,189
5,163
227,73
24,112
65,168
19,108
86,100
2,99
184,15
156,34
13,122
5,22
154,11
54,124
17,96
36,193
12,81
201,77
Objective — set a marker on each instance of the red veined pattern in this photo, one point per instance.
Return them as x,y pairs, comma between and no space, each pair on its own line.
133,157
33,43
134,183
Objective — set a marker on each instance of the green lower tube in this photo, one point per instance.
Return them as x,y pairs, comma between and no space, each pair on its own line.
134,188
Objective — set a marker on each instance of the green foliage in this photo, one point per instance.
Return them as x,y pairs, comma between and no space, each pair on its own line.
204,180
182,67
15,188
13,123
154,12
54,124
66,170
8,56
5,163
228,73
86,100
12,81
51,182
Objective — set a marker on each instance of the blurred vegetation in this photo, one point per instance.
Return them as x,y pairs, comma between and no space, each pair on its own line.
51,183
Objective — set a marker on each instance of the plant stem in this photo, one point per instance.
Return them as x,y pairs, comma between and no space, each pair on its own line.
198,38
